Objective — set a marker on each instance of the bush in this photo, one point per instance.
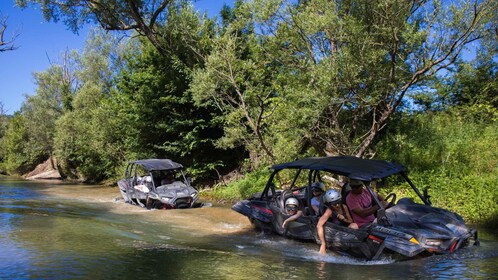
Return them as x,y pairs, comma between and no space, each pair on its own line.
455,153
251,183
472,196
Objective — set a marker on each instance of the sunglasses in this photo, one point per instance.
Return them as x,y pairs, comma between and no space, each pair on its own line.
291,208
332,203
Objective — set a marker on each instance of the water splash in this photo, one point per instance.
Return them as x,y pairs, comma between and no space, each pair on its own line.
309,252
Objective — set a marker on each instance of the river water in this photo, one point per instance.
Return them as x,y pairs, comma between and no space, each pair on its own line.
52,230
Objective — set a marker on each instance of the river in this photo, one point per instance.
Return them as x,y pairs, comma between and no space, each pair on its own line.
54,230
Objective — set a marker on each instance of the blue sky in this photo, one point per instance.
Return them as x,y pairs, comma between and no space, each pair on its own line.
40,42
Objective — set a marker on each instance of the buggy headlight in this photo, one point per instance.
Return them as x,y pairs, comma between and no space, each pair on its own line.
165,199
433,242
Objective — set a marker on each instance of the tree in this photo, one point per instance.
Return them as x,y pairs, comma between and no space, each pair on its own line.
6,44
4,122
144,17
475,82
134,104
29,138
81,145
42,110
154,107
239,78
15,157
343,68
470,82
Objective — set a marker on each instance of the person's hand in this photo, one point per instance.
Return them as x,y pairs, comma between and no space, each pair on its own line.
323,248
340,217
284,224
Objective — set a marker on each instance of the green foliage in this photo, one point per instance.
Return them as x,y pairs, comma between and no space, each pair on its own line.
237,79
144,17
251,183
161,118
471,195
455,153
82,147
4,123
325,77
476,84
14,156
154,111
79,148
29,140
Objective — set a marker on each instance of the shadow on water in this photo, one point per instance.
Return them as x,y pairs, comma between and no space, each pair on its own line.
77,235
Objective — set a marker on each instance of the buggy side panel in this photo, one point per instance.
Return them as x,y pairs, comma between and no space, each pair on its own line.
124,190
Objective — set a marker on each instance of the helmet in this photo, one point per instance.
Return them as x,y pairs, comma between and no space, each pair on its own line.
318,186
291,203
332,197
355,183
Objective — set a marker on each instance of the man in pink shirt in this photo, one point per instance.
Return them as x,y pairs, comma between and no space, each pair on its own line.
361,204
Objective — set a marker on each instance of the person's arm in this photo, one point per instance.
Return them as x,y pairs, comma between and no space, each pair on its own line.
346,218
292,218
320,231
382,200
364,212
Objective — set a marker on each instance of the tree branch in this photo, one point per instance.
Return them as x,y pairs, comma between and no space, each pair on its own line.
9,44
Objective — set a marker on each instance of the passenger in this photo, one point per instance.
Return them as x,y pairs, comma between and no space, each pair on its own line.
168,179
317,189
361,204
338,212
292,208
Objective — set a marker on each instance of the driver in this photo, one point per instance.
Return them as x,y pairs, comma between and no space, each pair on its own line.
361,204
169,178
292,208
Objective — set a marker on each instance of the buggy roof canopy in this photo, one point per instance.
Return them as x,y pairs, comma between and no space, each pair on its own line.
157,164
352,167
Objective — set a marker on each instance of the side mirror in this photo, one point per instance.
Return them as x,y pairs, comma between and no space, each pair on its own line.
427,197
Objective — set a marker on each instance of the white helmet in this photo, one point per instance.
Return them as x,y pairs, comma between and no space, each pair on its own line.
332,197
291,204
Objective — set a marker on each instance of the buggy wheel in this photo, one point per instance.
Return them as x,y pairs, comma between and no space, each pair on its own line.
257,224
148,203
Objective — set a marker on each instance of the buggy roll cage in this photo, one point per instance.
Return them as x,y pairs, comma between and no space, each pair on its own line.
269,191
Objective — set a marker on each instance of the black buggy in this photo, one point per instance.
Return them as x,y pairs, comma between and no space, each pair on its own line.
405,229
157,184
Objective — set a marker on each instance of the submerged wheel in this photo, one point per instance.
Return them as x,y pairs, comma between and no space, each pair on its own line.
256,223
153,204
259,225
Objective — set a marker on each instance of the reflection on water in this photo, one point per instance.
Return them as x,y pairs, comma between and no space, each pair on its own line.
74,231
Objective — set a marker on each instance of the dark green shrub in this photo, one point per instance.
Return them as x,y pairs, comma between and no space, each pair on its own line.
251,183
455,153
